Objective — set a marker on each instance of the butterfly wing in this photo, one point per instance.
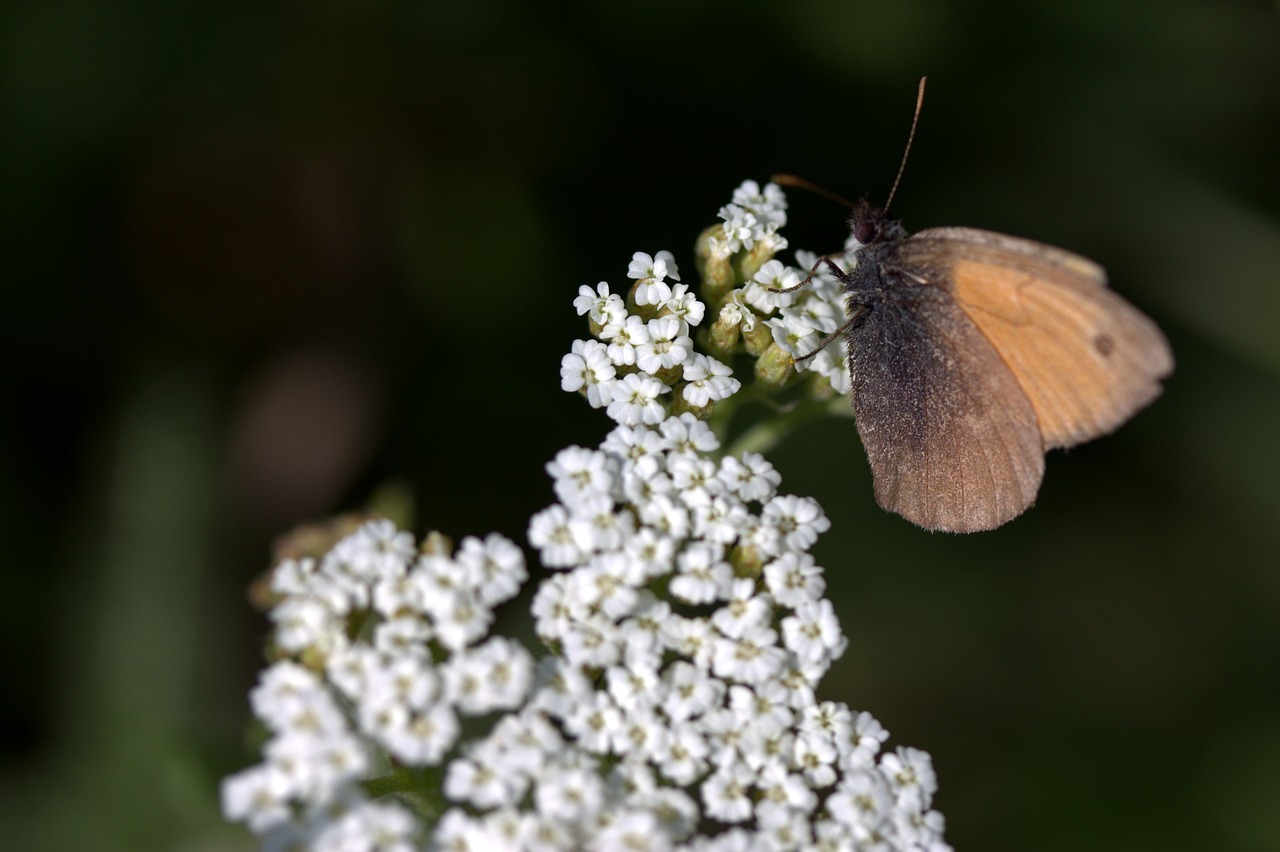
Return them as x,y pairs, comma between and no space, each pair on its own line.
952,440
1085,358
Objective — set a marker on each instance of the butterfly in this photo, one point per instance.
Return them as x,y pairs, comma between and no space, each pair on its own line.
972,353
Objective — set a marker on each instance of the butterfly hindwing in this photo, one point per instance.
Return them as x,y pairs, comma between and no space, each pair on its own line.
953,443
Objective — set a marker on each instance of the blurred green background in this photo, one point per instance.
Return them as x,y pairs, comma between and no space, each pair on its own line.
260,260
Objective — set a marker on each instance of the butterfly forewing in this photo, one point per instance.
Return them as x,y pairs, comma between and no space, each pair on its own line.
1084,357
953,443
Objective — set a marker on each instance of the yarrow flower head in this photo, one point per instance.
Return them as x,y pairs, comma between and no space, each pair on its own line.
682,614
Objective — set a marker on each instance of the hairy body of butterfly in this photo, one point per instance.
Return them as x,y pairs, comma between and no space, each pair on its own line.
971,353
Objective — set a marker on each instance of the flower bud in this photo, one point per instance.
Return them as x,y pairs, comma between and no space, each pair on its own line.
775,367
436,543
760,254
747,561
681,405
725,332
758,338
714,261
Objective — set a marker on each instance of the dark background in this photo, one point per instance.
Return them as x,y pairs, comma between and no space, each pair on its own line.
264,262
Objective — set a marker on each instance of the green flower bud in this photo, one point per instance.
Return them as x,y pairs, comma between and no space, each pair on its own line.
759,338
716,265
435,543
761,253
775,368
681,405
747,561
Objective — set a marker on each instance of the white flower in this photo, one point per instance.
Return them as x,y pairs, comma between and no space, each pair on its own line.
635,831
602,585
684,306
460,618
793,578
751,478
667,346
472,779
720,518
303,623
493,676
861,801
580,474
735,311
687,435
604,307
635,400
690,691
798,519
423,738
550,532
831,363
694,479
816,756
813,633
404,680
770,203
683,757
911,776
703,575
642,735
624,336
376,549
596,723
795,334
741,227
639,445
257,796
762,293
753,657
587,368
651,272
821,315
762,709
743,610
497,565
573,795
369,825
651,554
868,734
693,639
597,525
726,793
708,380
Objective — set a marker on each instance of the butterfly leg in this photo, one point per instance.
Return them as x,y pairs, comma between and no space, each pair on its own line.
854,316
839,273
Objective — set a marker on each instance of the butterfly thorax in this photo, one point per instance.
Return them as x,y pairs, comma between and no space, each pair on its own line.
880,237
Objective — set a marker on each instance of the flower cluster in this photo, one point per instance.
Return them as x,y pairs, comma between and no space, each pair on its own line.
381,648
645,349
691,633
684,616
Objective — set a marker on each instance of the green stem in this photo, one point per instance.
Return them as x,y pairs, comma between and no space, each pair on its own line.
421,788
769,432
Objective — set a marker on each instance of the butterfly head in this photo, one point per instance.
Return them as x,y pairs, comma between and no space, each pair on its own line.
873,225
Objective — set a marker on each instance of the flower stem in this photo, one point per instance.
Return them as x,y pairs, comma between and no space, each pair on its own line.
769,432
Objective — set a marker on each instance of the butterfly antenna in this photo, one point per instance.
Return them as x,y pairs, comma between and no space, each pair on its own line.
801,183
910,138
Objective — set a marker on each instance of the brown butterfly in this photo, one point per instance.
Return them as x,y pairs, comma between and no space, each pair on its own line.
972,353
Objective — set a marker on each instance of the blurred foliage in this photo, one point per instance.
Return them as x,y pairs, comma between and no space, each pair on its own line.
261,259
